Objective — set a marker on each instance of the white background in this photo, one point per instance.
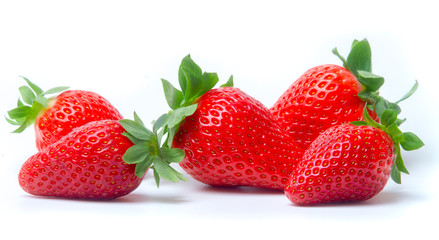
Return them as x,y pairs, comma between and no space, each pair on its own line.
121,49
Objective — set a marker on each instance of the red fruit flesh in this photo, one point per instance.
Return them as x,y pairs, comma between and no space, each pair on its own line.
322,97
345,163
69,110
87,163
232,139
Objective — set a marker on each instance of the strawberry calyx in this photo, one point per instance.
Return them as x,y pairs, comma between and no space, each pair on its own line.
148,152
359,63
32,102
194,83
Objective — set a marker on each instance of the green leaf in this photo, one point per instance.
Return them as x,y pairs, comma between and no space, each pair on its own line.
34,87
410,141
343,60
371,81
15,121
137,119
160,122
156,177
23,126
179,114
55,90
27,94
389,117
133,139
189,77
398,160
395,174
20,112
208,81
143,166
229,82
360,57
136,154
174,97
164,170
407,95
368,119
171,135
136,129
174,155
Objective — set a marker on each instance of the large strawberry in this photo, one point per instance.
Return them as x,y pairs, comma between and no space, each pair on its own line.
55,117
351,162
99,160
329,95
228,137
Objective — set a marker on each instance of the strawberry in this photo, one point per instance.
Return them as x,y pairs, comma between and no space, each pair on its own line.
102,159
55,117
351,162
229,138
86,163
330,95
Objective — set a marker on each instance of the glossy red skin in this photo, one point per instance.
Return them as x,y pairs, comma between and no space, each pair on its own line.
322,97
233,140
345,163
86,164
69,110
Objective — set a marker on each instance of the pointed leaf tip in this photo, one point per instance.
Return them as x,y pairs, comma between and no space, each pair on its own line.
411,141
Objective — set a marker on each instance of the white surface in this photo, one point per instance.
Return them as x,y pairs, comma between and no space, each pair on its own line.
121,49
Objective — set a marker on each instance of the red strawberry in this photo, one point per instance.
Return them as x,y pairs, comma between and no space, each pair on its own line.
351,163
99,160
329,95
56,117
86,163
229,138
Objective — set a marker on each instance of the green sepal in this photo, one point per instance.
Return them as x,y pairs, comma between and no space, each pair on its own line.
33,100
194,83
399,163
389,117
411,141
371,81
360,57
136,129
174,97
148,152
189,77
136,153
229,82
179,114
143,166
174,155
395,174
409,93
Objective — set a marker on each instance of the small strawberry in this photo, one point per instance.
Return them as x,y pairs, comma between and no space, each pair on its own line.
99,160
228,137
329,95
351,162
56,117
